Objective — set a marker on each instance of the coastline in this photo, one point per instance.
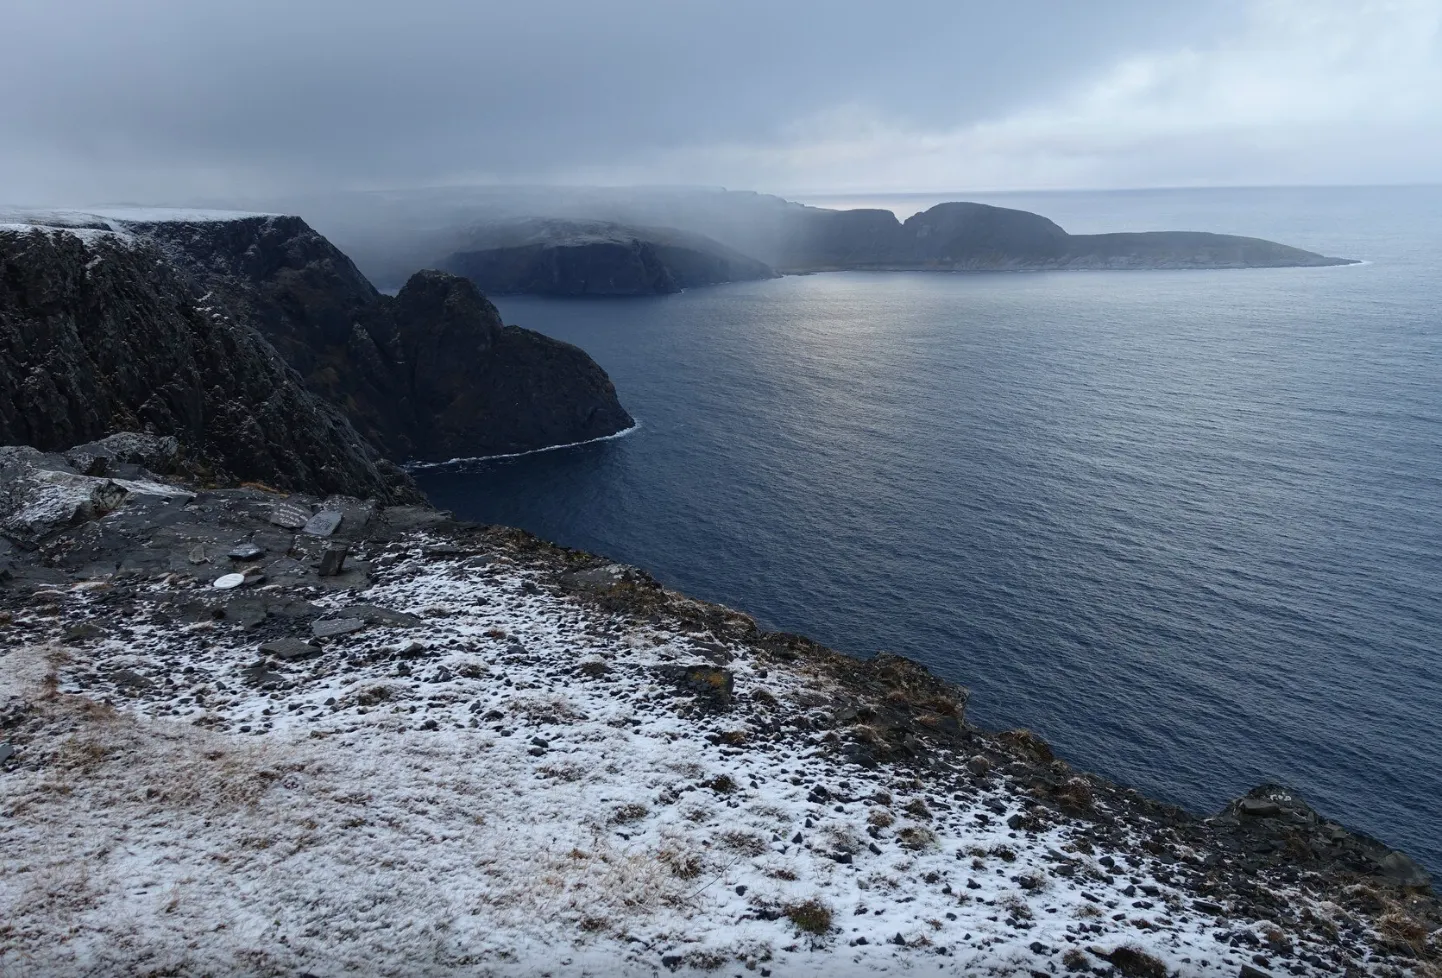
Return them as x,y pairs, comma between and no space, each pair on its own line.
461,462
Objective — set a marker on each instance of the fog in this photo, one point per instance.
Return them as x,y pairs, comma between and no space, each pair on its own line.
172,101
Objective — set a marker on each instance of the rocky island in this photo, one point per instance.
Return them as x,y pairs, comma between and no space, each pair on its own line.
965,236
264,711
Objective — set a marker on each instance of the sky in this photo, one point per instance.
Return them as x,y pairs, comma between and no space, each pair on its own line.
187,101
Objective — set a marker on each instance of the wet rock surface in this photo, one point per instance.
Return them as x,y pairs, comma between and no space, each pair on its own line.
847,812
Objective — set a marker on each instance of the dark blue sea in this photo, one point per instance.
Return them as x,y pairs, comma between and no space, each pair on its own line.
1185,525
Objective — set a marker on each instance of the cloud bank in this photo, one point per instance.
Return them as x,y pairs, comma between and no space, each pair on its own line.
175,101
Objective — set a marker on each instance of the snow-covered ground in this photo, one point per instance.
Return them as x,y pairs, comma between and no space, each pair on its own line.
512,783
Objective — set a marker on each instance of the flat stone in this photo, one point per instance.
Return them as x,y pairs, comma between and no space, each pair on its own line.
289,649
322,524
375,615
6,752
289,515
245,551
331,627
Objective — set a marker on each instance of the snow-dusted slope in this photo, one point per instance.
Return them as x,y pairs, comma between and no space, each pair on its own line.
509,759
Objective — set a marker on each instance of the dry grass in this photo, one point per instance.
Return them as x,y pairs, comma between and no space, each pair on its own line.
916,808
624,814
916,837
880,817
1133,962
810,916
745,843
1400,928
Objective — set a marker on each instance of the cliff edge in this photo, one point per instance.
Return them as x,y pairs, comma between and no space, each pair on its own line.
458,748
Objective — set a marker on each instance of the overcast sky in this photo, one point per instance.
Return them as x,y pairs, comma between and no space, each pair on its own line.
173,101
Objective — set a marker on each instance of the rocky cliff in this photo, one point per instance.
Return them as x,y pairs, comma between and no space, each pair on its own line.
574,258
99,332
429,376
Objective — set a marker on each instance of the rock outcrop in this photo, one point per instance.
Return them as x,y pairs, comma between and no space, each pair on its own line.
99,332
429,375
575,258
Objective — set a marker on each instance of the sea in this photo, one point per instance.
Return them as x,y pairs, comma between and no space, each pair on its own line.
1184,525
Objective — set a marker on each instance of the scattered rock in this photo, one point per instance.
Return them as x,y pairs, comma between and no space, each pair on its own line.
331,627
245,551
261,674
129,678
83,632
6,752
376,615
711,684
289,649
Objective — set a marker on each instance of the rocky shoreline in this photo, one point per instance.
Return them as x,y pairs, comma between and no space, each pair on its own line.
405,745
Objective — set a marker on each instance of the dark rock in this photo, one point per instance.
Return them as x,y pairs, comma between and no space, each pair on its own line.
261,674
105,332
322,524
332,627
290,515
247,612
1249,972
83,632
376,615
289,649
1402,869
130,678
710,684
6,752
245,551
429,375
333,561
1259,807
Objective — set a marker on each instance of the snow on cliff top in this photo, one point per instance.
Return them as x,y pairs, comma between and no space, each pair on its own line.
114,218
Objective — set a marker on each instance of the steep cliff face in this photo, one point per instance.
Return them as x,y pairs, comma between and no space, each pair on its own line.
405,370
485,388
99,332
574,258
